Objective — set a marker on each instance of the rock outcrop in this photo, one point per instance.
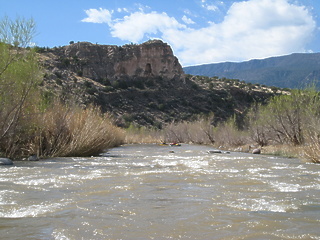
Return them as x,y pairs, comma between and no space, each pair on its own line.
97,62
6,161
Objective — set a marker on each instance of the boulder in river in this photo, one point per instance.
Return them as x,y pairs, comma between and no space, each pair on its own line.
214,151
33,158
6,161
256,151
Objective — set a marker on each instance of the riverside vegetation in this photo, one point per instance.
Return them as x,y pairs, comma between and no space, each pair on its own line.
225,113
31,124
288,125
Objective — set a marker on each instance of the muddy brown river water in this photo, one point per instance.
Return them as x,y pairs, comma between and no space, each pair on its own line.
146,192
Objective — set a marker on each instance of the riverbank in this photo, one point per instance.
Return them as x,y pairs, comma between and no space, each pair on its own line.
146,136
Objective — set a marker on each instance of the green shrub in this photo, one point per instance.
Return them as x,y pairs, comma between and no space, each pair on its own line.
79,73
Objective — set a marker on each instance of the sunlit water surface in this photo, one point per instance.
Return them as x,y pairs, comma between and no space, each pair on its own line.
147,192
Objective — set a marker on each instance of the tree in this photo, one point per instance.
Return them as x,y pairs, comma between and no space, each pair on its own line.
285,117
18,32
19,78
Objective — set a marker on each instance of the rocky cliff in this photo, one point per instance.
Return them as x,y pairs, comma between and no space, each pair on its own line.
150,59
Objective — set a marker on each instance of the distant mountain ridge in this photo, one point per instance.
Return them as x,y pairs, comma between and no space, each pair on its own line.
297,70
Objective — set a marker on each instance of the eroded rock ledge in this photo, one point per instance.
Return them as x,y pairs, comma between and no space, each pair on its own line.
150,59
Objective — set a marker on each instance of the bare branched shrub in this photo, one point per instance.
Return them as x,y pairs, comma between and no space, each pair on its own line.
257,129
228,135
197,132
283,119
311,149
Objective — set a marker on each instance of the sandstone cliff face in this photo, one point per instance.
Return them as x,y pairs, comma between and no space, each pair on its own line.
151,59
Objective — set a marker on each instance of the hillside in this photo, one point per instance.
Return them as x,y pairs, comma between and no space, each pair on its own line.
291,71
141,84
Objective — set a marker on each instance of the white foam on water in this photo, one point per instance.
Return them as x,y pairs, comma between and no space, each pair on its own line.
225,170
262,204
32,210
164,163
35,182
195,164
7,196
285,187
256,170
59,234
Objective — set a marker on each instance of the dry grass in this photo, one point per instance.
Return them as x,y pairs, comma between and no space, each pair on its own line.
143,135
66,131
283,150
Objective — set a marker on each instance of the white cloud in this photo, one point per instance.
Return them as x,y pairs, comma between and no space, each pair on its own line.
250,29
122,10
187,20
135,26
211,7
98,16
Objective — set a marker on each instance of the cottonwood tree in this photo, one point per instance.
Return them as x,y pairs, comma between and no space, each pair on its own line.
19,77
286,117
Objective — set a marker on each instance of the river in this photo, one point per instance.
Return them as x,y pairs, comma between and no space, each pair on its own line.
149,192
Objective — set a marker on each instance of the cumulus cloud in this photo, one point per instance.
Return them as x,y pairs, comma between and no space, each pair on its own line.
135,26
98,16
250,29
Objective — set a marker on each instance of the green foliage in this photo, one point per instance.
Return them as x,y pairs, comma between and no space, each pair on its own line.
30,123
87,84
120,84
107,89
59,81
161,107
138,83
38,49
80,73
65,62
47,99
104,81
286,117
20,76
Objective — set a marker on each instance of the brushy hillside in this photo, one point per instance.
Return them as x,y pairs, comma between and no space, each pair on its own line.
153,98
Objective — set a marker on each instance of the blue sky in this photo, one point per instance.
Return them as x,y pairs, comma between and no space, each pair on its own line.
199,31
